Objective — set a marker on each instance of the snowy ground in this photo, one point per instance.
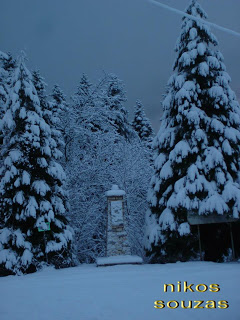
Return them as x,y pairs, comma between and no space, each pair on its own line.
118,292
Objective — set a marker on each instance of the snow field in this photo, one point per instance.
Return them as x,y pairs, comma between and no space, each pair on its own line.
118,292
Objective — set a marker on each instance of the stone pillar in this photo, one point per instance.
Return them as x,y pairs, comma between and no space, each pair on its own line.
117,240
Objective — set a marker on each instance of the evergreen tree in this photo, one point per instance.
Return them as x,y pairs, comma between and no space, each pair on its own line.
31,193
3,83
83,94
82,110
7,64
59,109
50,112
197,147
142,125
114,97
58,101
3,89
40,86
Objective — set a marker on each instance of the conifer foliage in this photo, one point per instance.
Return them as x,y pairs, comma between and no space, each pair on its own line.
114,98
197,147
142,125
31,188
84,90
3,93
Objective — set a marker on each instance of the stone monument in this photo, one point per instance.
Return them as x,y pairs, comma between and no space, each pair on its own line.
118,250
117,240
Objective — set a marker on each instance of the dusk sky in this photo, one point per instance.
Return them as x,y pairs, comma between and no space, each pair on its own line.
131,38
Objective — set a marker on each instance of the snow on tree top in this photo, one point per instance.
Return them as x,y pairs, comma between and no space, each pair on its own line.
3,55
115,191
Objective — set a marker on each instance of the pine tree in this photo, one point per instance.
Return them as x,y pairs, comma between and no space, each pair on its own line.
7,64
58,101
142,125
114,97
83,94
59,109
82,109
40,86
32,196
3,83
197,147
62,122
3,89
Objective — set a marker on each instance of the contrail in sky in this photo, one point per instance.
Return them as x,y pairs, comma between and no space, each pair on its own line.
182,13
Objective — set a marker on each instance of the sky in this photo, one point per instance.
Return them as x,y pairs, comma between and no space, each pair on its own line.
132,38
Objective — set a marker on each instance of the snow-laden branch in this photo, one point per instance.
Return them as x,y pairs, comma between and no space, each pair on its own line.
182,13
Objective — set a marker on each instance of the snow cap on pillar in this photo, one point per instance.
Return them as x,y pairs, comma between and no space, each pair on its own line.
115,192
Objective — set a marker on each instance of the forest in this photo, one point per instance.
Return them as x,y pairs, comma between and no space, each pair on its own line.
59,155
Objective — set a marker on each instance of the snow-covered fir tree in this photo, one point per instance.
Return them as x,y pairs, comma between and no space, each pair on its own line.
81,110
3,88
59,109
83,94
142,125
40,86
31,187
3,81
7,64
114,98
50,111
197,147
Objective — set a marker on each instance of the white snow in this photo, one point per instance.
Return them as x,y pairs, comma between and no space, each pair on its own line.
184,228
19,197
26,178
166,220
115,191
121,259
201,48
4,235
160,160
193,33
152,231
213,203
180,151
118,292
217,126
213,62
35,129
26,257
15,155
42,162
213,158
232,134
226,147
22,113
56,170
31,208
8,256
203,70
41,187
54,246
3,55
166,171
